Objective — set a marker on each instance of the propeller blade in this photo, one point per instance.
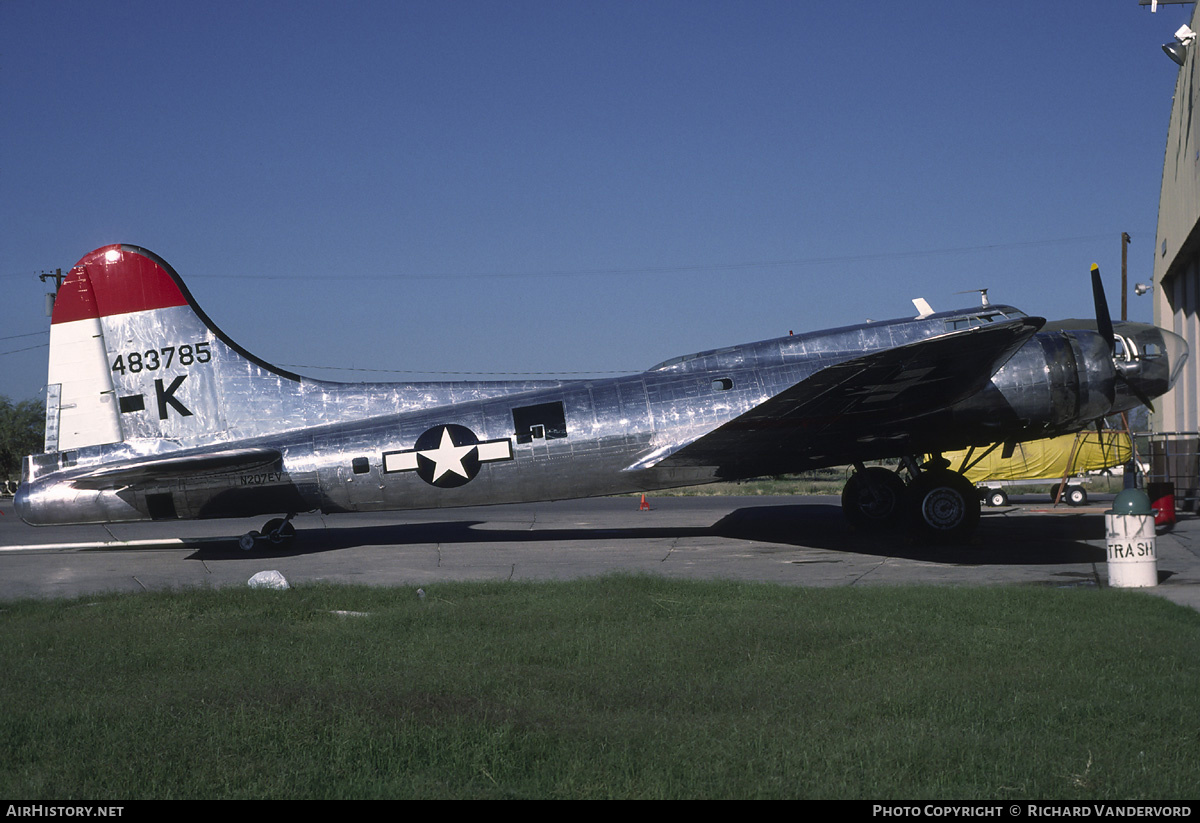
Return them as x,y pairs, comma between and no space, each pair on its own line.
1103,318
1138,393
1104,326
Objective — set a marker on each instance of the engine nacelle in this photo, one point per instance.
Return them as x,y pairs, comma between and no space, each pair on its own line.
1063,381
1058,381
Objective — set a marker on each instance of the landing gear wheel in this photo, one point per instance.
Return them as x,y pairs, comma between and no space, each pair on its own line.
943,505
246,541
997,498
279,531
873,500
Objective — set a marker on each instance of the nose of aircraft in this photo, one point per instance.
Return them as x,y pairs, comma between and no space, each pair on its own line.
1177,350
1152,363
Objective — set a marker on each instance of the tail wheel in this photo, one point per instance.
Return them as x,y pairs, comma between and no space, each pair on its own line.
279,531
873,499
943,505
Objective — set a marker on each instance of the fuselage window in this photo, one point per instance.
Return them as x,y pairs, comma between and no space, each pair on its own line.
545,421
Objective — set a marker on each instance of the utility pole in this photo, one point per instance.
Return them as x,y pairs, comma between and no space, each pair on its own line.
1124,276
58,278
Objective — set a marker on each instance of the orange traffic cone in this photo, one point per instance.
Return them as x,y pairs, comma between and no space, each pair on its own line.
645,507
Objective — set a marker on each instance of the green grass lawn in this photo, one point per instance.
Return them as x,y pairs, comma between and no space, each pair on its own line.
618,687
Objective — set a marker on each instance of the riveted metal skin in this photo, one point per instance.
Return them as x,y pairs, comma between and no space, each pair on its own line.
154,413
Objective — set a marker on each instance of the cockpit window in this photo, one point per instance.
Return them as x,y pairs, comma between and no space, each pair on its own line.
956,323
983,318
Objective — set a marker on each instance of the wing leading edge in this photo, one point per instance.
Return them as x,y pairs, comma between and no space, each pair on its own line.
865,398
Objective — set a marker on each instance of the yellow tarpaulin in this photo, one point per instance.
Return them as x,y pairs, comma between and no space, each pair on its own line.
1048,459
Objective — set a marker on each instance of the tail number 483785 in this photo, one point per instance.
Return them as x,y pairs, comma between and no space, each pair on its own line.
154,359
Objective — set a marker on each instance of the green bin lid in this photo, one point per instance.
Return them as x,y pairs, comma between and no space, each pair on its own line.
1131,501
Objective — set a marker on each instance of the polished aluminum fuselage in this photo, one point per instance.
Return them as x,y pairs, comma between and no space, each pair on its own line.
363,447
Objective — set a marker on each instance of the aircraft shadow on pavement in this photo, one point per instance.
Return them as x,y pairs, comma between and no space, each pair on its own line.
999,539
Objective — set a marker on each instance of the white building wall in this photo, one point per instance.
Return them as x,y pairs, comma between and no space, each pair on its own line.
1177,246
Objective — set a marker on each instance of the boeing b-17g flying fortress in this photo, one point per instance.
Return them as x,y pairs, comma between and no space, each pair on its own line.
153,413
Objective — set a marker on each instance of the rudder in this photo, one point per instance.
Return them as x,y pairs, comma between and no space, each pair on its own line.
132,357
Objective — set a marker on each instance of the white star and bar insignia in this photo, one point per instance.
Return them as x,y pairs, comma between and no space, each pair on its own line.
447,456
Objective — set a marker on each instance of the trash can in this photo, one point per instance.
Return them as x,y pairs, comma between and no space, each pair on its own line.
1162,499
1129,524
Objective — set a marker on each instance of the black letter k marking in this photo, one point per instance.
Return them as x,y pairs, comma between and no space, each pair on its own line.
167,396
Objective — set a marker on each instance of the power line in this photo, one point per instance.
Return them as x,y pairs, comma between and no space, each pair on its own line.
30,348
674,269
678,269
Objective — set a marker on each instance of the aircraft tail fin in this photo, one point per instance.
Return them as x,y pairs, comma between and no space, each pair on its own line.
132,356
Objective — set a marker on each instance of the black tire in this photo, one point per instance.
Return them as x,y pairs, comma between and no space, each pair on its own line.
1076,496
943,506
997,498
279,532
873,502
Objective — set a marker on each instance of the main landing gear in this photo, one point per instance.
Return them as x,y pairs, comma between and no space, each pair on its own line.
278,532
939,504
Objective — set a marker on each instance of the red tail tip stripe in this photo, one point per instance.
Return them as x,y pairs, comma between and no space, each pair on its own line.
113,280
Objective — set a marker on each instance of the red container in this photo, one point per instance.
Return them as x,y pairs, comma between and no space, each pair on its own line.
1162,499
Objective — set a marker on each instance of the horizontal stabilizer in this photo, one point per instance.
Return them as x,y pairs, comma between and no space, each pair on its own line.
192,465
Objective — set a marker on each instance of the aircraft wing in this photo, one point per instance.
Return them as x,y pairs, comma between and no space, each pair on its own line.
148,469
864,399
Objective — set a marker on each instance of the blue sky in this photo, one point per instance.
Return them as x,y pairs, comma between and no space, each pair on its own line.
426,189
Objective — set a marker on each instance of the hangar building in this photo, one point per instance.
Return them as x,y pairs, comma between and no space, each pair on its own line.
1177,281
